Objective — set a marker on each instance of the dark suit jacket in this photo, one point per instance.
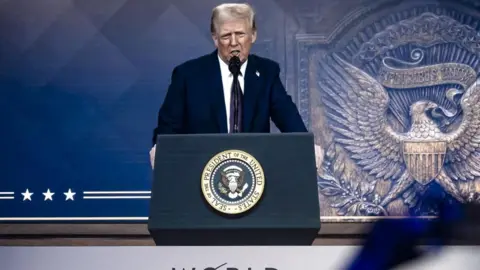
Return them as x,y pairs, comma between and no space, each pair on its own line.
195,100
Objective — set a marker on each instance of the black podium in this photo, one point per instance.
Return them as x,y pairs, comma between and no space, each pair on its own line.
287,213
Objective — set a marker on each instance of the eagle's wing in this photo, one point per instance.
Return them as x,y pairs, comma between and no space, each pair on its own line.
241,180
462,160
224,179
356,105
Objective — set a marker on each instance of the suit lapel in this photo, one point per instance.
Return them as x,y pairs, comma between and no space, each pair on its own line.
218,99
252,88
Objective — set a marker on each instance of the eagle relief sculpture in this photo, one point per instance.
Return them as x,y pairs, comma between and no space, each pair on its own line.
438,138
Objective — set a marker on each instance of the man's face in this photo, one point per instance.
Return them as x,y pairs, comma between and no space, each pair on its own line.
234,37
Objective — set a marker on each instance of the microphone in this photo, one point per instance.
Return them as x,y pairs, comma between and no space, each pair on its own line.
236,105
234,65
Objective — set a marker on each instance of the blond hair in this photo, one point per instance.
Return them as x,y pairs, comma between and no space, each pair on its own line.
230,11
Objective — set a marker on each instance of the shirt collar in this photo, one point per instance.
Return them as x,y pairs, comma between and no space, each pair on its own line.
226,72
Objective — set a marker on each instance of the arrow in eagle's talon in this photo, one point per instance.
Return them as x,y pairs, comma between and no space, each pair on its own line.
404,182
449,186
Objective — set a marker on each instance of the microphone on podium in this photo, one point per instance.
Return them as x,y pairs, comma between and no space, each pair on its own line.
237,97
234,65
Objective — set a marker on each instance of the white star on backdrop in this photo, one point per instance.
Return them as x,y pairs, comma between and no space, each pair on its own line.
69,195
48,195
27,195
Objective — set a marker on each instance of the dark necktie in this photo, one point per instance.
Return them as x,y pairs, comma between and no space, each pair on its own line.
236,99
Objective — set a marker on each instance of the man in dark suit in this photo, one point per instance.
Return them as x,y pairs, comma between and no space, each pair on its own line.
204,91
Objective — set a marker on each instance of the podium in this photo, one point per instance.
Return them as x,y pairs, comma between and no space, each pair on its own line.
234,189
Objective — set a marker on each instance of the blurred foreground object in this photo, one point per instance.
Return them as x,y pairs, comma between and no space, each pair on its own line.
394,242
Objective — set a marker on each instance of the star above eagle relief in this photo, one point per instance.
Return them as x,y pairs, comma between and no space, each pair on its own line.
356,107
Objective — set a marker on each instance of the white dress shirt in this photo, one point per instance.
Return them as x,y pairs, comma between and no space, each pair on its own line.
227,80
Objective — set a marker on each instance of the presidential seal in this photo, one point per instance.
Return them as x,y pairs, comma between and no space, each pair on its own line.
233,182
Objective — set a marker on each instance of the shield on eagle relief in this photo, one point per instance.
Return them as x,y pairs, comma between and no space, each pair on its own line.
424,160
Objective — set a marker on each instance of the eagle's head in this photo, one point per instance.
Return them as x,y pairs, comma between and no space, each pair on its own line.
419,109
423,126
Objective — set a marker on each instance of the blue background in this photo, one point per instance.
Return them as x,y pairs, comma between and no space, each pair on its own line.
81,82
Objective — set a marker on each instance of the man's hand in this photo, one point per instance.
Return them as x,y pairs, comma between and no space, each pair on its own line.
152,155
318,156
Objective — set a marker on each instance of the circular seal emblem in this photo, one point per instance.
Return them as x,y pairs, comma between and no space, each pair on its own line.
233,182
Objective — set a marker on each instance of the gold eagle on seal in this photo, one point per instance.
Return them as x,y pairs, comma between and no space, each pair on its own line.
358,105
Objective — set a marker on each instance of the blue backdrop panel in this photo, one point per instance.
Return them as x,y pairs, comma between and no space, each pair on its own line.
81,82
80,86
